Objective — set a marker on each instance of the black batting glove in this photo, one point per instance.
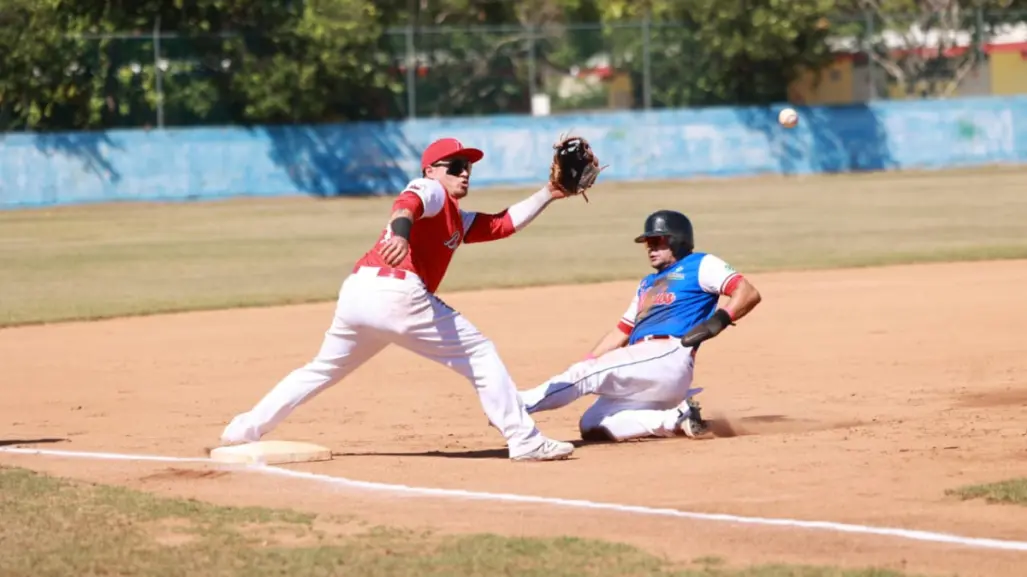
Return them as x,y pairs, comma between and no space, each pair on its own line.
707,329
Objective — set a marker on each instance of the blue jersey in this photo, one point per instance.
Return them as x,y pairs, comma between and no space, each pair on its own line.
673,301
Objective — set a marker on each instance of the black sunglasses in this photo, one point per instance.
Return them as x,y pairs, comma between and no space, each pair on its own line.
455,166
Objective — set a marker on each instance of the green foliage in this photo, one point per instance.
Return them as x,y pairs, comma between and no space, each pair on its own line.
706,52
39,84
322,65
78,64
81,64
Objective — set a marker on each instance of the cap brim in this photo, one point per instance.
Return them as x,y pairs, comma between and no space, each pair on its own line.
472,155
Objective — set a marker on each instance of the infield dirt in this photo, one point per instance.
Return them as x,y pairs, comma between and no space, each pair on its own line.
862,396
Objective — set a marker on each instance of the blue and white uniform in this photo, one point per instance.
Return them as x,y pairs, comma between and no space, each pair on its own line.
671,302
640,386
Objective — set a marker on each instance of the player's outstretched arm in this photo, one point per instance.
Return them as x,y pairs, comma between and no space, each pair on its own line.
488,227
620,334
716,276
611,341
743,298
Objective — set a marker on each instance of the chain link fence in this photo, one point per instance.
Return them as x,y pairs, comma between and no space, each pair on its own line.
166,79
647,65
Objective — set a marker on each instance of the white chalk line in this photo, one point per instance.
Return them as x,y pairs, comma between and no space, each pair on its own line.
910,534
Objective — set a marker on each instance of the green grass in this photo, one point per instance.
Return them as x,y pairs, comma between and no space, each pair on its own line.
110,260
1012,491
55,527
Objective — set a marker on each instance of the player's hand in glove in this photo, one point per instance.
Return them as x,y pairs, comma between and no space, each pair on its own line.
574,169
707,329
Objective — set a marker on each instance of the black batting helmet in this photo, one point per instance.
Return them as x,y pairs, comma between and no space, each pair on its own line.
673,225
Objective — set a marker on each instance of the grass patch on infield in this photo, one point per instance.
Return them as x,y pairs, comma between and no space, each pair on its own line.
55,527
1012,491
98,261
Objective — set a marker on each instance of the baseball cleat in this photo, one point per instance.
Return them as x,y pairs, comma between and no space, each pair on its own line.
690,421
550,450
227,442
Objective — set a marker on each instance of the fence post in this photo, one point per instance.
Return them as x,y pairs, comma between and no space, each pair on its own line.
647,76
979,22
868,46
411,73
532,85
159,74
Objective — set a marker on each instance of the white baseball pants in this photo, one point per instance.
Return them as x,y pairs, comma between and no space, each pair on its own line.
640,388
373,311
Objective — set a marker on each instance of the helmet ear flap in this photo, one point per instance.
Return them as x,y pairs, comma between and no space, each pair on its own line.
679,246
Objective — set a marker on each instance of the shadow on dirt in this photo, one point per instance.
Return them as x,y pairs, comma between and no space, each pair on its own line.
727,427
16,442
1006,397
720,427
475,454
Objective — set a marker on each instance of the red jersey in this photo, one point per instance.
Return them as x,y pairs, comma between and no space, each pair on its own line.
440,226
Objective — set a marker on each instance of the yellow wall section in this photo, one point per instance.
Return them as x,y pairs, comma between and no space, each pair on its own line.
1008,73
835,85
1004,73
621,93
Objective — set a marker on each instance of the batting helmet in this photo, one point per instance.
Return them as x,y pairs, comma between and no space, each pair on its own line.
673,225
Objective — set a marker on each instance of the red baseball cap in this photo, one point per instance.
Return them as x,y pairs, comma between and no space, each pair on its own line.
444,148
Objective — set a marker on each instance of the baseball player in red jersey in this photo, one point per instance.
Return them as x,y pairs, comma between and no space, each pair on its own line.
389,298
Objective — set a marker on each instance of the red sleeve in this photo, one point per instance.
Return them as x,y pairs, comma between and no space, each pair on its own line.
487,227
624,327
411,202
731,284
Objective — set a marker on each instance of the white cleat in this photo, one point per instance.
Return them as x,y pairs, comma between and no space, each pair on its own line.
550,450
228,442
690,421
238,433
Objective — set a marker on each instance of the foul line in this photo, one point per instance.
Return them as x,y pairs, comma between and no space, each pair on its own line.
910,534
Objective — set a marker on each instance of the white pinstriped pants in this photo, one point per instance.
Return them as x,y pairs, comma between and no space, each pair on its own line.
373,311
640,388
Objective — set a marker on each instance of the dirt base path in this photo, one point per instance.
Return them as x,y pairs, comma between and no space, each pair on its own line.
862,395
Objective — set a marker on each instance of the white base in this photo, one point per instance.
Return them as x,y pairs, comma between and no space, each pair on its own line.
271,453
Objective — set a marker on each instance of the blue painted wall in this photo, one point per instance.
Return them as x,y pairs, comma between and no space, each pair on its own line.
48,169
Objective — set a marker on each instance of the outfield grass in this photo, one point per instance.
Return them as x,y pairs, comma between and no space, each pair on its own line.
54,527
1012,491
109,260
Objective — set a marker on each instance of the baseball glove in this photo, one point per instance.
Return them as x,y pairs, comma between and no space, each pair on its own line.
575,167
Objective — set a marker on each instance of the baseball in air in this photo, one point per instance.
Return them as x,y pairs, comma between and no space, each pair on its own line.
788,117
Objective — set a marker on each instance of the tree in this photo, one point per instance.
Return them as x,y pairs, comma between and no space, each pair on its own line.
472,56
42,77
706,52
95,64
78,64
323,63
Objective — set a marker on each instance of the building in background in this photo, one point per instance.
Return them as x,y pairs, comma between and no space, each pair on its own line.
853,77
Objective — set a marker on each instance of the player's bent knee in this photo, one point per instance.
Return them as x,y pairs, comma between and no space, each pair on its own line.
597,435
590,420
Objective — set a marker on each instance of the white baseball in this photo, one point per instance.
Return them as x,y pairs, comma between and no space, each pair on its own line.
788,117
